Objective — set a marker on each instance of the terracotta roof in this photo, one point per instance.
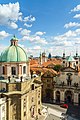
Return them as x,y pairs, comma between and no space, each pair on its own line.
46,64
33,62
43,70
35,65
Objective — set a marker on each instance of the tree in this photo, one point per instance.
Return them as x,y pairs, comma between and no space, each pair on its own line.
57,68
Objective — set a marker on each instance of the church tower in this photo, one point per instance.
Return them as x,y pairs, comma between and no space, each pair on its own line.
77,60
64,60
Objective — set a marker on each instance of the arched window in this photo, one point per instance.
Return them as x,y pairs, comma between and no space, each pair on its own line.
24,70
57,96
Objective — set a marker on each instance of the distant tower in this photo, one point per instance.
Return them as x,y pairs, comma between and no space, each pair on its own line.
40,59
64,60
44,58
77,60
49,56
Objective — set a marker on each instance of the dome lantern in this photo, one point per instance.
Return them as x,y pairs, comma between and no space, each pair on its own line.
14,41
14,53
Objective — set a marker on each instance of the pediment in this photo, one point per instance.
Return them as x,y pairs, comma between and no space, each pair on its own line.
68,69
48,74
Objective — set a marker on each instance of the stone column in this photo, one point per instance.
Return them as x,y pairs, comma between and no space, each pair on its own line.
76,98
19,73
54,96
28,69
22,115
62,96
9,115
5,70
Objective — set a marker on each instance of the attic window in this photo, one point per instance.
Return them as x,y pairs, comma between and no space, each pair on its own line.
48,75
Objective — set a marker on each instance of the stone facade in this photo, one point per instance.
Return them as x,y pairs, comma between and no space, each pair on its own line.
23,99
67,86
47,88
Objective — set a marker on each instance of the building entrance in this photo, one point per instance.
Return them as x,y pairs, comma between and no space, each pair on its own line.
49,95
57,96
68,97
79,99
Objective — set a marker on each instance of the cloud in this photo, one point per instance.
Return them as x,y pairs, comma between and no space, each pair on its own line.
40,33
3,34
38,39
9,14
13,25
25,32
71,24
27,25
77,8
77,16
37,47
35,51
35,39
29,19
69,38
66,35
21,45
19,29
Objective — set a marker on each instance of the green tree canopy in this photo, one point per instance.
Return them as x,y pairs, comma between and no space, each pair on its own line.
57,68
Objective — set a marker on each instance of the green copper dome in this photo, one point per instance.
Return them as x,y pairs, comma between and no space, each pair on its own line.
70,59
14,53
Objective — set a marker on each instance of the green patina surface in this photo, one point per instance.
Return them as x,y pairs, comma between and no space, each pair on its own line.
70,58
13,54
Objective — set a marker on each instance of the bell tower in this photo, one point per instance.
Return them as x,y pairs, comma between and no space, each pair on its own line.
64,60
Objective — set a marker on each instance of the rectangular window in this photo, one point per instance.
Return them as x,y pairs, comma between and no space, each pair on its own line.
76,62
32,100
38,102
13,70
32,87
24,70
25,113
3,70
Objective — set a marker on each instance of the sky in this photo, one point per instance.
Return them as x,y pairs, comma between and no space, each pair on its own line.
52,26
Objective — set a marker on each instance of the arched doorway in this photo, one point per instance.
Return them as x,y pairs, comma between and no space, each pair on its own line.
79,99
68,96
57,96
